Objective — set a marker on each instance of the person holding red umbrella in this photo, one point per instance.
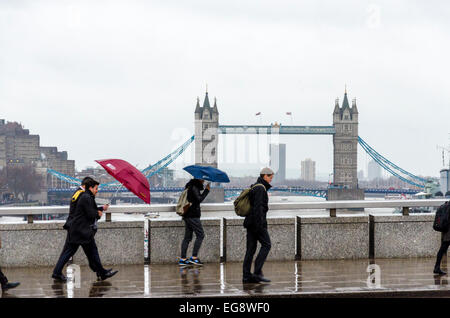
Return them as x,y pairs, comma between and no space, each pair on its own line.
82,229
68,251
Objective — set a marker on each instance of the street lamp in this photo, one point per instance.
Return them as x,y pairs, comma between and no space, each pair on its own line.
329,178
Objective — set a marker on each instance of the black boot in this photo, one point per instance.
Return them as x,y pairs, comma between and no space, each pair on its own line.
437,270
109,274
59,277
106,270
9,286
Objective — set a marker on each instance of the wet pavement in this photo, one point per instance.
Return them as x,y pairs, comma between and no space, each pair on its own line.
336,278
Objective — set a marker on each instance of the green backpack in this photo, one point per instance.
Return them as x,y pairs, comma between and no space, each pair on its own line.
183,203
242,205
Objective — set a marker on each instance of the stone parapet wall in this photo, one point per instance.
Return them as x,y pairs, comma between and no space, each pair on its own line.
282,236
165,237
40,244
292,238
404,236
333,237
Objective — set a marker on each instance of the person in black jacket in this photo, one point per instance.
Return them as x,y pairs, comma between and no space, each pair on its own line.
67,251
81,231
4,281
192,221
445,243
74,201
256,224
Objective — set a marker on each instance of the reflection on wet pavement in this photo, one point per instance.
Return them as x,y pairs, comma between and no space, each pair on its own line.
289,278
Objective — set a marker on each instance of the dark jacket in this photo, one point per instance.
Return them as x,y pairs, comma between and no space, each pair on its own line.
259,201
445,236
81,229
73,204
195,197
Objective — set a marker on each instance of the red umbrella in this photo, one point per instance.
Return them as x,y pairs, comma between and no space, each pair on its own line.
129,176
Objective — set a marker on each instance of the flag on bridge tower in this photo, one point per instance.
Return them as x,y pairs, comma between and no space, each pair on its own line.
290,114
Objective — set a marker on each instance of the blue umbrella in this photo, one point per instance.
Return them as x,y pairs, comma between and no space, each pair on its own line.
207,173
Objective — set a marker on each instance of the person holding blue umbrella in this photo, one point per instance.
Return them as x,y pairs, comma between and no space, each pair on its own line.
197,192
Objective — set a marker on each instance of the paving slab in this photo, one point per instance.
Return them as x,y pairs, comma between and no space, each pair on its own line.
410,277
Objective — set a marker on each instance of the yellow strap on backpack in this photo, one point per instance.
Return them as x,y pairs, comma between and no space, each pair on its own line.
76,195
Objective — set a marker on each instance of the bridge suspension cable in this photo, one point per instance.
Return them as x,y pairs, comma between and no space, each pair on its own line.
167,160
64,177
391,167
148,172
153,169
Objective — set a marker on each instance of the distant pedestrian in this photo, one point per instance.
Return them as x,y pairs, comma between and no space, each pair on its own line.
256,224
81,229
3,280
192,221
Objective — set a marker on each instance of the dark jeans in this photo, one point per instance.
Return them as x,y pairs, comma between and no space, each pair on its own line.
3,279
91,251
441,253
263,238
192,225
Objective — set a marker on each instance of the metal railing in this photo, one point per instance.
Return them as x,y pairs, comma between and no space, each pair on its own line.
331,206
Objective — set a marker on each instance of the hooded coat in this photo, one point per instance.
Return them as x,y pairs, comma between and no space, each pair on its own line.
194,196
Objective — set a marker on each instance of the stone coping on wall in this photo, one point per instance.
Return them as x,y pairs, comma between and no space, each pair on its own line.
59,225
166,222
403,218
238,221
333,220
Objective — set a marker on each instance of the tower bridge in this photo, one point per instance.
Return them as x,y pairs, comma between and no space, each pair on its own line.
344,133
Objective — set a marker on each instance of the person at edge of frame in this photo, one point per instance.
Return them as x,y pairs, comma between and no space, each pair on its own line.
4,281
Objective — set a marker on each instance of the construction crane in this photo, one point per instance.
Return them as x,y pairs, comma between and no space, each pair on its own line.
444,149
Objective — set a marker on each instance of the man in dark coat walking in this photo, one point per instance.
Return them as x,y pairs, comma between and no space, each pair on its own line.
256,224
192,221
67,251
81,230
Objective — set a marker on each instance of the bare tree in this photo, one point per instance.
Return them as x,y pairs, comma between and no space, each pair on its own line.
3,182
23,180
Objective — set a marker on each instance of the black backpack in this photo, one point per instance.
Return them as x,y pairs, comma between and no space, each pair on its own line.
441,219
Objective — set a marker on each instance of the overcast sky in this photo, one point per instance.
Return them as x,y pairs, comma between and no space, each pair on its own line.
120,79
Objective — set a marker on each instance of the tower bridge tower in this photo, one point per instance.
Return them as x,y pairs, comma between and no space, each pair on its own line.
345,144
206,142
206,133
345,152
